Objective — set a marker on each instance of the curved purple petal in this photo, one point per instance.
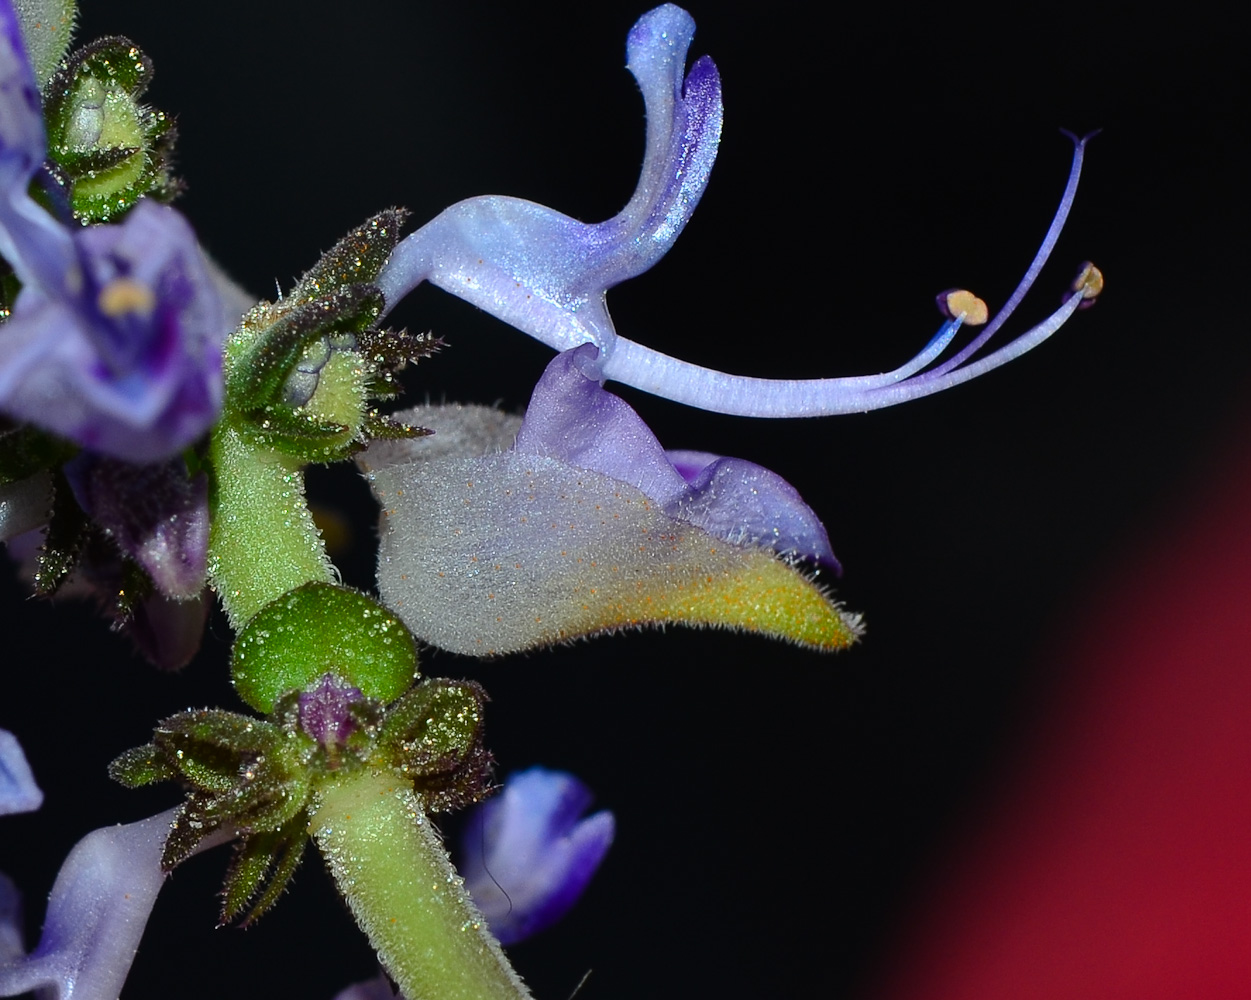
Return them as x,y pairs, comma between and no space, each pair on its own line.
96,914
545,273
527,856
574,420
18,791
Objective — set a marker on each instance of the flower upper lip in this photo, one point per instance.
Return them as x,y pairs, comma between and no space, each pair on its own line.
546,273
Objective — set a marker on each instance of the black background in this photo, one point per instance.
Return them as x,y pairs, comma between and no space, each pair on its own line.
777,810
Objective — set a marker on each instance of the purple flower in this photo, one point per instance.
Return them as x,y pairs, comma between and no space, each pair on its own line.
527,856
97,911
547,274
18,791
501,534
115,340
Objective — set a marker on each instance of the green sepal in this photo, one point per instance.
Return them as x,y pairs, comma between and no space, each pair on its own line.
355,259
141,766
273,853
378,427
433,734
211,748
26,450
298,433
319,629
260,372
68,529
191,824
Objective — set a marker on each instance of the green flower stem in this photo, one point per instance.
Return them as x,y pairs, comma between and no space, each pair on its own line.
263,541
389,863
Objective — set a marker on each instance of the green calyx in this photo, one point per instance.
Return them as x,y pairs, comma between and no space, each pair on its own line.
319,629
261,777
300,372
111,149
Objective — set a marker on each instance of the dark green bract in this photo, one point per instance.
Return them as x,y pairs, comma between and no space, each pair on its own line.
320,629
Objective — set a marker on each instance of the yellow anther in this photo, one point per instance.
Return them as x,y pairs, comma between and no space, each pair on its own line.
123,295
959,303
1089,281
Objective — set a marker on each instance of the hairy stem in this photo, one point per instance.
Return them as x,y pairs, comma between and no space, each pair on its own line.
263,541
389,863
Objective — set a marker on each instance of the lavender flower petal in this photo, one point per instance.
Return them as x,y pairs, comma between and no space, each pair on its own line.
157,515
18,791
378,988
573,419
526,855
546,273
97,911
96,914
132,366
39,248
12,941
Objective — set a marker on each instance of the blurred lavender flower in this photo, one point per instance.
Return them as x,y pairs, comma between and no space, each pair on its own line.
115,339
527,856
97,911
96,915
18,791
586,525
547,274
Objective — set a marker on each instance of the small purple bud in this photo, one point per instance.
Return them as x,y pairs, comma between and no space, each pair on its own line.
527,857
326,711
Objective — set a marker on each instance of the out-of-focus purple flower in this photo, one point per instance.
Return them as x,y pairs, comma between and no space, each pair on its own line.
97,911
585,525
547,274
96,914
115,339
18,791
156,513
527,855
